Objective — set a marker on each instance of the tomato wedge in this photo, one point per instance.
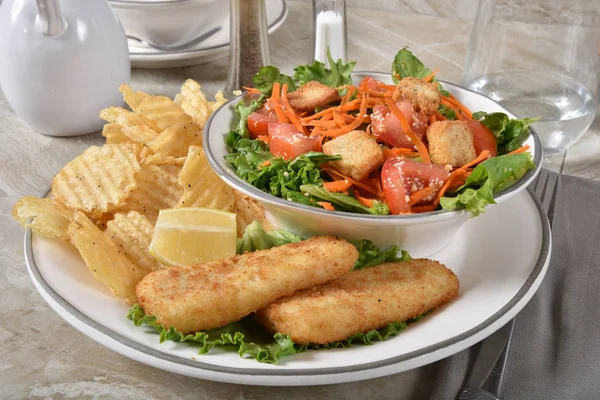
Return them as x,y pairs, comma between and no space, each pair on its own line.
373,84
288,142
483,138
400,177
258,121
387,128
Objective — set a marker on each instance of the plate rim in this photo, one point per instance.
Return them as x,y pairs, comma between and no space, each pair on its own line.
157,355
192,53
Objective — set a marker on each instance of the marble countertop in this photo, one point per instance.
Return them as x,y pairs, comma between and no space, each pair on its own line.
44,357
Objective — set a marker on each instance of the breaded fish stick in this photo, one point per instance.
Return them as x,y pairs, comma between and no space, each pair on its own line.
361,301
211,295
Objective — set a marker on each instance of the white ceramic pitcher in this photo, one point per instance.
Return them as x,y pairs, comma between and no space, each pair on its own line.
61,62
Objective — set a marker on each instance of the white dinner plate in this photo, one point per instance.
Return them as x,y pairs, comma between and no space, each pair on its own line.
208,50
500,258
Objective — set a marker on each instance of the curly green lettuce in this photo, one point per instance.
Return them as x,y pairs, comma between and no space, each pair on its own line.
249,338
491,176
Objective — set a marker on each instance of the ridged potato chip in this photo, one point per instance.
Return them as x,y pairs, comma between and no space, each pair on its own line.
194,102
161,159
132,233
104,259
157,188
43,216
113,133
249,210
99,180
137,128
163,111
177,139
201,186
133,99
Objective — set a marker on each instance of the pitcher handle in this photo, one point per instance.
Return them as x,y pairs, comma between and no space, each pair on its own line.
50,17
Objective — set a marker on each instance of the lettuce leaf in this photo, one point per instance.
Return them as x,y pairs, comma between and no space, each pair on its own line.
510,133
339,73
266,78
406,64
281,178
370,255
491,176
447,112
255,238
343,201
248,337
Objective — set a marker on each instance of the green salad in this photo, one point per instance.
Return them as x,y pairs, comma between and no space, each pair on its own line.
318,139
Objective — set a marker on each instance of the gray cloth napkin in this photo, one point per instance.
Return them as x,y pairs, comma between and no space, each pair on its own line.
555,350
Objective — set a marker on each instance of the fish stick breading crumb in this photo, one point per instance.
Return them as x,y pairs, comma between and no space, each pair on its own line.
361,301
214,294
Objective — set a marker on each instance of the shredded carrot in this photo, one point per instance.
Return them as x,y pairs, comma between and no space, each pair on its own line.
322,124
432,119
440,117
338,186
266,163
484,155
406,128
424,194
264,138
422,209
360,118
378,93
458,176
327,117
350,106
276,103
398,151
460,106
351,91
455,177
451,106
363,200
347,118
520,150
386,87
339,119
289,110
362,185
429,77
251,90
326,205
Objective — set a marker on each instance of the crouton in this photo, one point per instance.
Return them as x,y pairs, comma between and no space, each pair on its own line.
424,96
360,154
311,95
451,142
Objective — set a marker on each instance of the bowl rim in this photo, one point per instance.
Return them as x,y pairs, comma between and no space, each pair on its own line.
233,180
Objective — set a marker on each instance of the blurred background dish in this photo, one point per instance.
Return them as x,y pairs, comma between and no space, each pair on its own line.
167,23
208,50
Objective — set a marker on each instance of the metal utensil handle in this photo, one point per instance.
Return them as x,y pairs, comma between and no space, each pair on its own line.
249,43
50,17
494,382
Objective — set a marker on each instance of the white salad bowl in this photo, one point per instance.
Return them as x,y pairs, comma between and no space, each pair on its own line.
420,234
170,22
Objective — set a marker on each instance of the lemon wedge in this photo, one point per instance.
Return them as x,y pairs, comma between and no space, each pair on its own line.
188,236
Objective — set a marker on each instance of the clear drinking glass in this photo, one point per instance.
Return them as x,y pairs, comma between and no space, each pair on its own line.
329,30
541,59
